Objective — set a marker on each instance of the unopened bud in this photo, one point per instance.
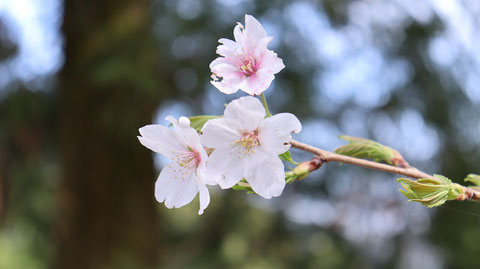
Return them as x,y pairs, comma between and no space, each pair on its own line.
305,168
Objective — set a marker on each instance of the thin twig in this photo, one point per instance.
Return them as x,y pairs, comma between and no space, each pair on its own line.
327,156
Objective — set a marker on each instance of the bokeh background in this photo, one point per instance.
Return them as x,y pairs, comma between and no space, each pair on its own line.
79,77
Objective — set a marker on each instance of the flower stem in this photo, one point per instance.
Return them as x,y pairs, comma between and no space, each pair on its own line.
327,156
264,102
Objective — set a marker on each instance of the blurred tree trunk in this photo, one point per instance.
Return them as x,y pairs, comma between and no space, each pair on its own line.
107,91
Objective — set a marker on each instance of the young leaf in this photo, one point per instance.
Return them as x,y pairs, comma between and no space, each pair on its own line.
286,156
475,179
197,122
368,149
430,192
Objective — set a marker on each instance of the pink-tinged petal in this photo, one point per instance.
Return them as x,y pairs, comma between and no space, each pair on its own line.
204,196
219,61
261,47
229,48
245,114
238,34
254,32
270,61
274,132
267,177
222,68
217,133
258,82
176,186
224,87
231,82
160,139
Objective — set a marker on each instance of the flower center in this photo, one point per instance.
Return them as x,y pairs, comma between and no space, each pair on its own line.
189,159
246,64
247,144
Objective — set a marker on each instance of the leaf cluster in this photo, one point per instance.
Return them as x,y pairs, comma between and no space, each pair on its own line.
369,149
430,192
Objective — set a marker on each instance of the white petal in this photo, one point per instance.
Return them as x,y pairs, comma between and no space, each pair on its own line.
204,196
217,133
219,163
241,165
186,134
233,173
176,186
160,139
258,82
245,114
267,178
274,132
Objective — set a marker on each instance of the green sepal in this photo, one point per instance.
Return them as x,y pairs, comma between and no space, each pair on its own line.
290,177
243,185
473,178
286,156
430,192
197,122
369,149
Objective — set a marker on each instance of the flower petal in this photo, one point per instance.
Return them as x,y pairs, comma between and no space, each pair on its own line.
271,62
238,34
217,133
232,78
244,114
267,178
224,162
254,32
274,132
160,139
186,133
204,196
229,48
261,47
258,82
176,186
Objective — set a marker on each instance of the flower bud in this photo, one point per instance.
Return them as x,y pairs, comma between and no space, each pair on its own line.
305,168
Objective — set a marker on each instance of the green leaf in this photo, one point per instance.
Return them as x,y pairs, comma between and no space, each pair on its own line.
286,156
473,178
368,149
197,122
430,192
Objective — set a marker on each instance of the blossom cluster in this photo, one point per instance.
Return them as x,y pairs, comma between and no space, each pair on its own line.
243,144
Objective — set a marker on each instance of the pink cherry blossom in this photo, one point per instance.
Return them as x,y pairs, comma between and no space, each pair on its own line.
246,63
184,177
247,145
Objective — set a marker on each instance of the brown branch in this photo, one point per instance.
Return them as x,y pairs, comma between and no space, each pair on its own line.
412,172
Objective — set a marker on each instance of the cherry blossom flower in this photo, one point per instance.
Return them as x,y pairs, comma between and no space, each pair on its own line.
246,63
247,145
181,180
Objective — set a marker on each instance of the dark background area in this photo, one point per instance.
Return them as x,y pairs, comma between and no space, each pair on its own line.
79,77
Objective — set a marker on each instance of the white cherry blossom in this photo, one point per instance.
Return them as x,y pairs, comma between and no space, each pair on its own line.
181,180
247,145
245,63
